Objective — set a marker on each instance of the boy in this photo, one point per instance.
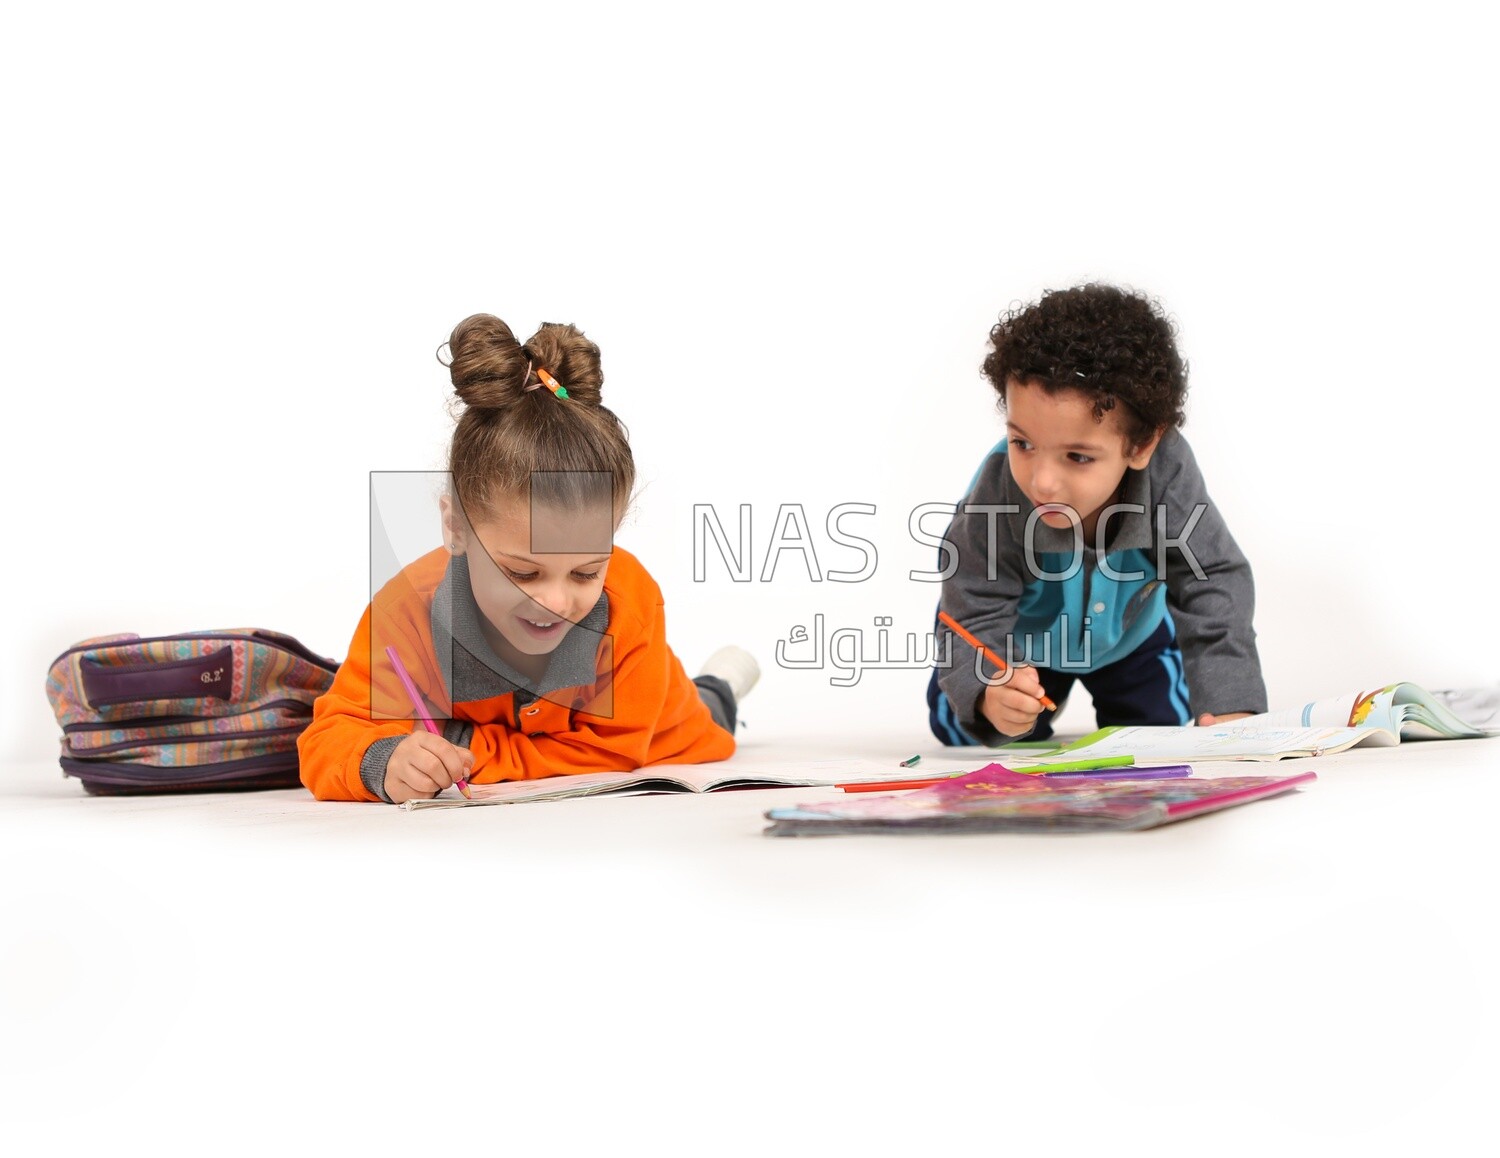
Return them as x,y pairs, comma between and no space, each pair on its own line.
1088,547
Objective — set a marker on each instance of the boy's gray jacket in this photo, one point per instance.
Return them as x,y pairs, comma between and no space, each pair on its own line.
1163,514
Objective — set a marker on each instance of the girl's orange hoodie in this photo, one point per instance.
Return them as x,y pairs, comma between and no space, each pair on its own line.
614,697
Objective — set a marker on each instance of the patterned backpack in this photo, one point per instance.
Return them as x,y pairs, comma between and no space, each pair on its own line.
198,712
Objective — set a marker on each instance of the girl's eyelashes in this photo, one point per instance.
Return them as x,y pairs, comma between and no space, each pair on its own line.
528,576
1080,459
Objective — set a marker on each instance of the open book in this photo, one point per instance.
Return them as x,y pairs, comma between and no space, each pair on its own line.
996,799
1397,711
668,778
1236,741
1380,718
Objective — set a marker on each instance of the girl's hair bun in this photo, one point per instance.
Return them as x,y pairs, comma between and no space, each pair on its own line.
489,367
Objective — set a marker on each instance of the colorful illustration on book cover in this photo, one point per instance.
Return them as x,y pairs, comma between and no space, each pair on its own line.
1364,704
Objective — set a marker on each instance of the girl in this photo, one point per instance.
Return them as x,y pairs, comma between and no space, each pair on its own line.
539,645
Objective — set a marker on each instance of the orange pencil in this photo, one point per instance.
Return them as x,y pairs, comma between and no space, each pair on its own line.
999,663
893,785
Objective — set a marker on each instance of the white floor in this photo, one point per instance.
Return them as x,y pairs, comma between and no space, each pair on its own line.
262,973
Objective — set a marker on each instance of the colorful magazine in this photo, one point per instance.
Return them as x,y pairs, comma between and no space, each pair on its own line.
995,799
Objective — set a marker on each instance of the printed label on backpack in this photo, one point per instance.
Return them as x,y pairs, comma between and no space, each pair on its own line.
184,679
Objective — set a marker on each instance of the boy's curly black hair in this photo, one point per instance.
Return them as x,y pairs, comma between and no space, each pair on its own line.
1110,343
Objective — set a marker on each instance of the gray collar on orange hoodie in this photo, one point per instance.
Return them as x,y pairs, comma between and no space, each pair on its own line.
472,670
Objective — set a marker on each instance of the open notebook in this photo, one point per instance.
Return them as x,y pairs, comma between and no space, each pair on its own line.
1381,717
740,773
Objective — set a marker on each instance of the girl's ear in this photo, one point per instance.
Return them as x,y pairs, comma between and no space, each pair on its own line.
453,526
1138,458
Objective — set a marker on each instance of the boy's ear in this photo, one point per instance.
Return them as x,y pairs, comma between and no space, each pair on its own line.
1138,458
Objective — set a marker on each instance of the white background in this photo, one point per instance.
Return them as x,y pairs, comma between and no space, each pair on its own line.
233,239
234,243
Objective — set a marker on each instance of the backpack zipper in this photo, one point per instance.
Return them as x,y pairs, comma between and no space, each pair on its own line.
284,642
149,722
162,741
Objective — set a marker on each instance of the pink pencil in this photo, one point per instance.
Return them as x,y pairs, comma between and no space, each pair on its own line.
417,703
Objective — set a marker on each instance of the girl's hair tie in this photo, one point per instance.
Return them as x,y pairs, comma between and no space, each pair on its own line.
551,383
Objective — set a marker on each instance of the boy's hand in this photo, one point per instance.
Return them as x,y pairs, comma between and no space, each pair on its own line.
1012,707
1208,719
423,765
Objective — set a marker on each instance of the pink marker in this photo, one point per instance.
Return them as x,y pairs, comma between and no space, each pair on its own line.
416,702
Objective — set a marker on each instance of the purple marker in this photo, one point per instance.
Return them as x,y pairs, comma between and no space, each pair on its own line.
1161,772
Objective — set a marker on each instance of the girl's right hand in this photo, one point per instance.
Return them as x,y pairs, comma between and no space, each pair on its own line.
423,765
1012,707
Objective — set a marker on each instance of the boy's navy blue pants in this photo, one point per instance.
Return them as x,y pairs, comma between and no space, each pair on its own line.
1146,687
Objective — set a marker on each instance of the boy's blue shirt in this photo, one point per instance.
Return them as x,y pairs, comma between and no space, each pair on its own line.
1098,614
1091,608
